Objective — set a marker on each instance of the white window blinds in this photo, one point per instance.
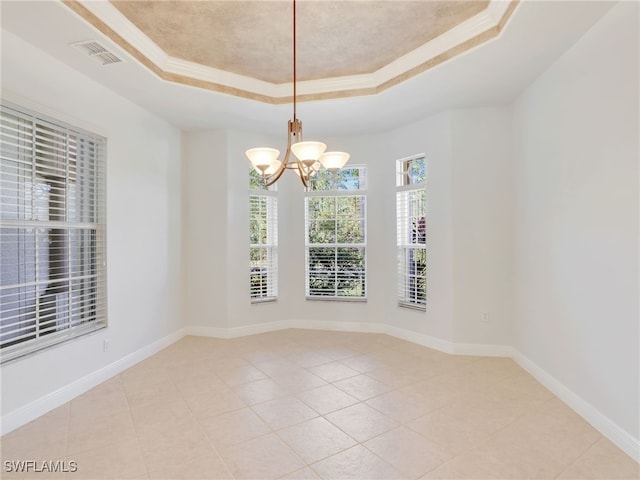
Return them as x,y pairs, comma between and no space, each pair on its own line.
263,233
335,233
52,232
411,210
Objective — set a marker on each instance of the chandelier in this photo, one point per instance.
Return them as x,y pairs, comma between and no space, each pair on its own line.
308,157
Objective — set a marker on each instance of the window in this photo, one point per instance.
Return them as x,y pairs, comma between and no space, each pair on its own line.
263,233
52,233
411,210
335,233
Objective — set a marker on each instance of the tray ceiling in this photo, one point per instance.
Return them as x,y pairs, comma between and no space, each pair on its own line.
344,48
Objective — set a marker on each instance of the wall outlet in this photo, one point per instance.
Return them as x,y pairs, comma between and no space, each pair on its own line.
105,345
485,317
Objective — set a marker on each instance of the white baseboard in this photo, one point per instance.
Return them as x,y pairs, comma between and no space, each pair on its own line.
235,332
479,350
608,428
360,327
356,327
42,405
255,329
421,339
482,350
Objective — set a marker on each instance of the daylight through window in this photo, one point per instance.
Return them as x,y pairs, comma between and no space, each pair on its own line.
335,233
411,210
263,233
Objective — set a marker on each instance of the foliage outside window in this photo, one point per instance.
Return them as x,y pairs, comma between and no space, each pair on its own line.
335,233
263,233
52,211
411,210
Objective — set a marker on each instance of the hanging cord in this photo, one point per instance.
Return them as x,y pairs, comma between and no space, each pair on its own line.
294,59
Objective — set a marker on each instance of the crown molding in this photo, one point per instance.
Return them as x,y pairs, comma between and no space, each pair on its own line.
471,33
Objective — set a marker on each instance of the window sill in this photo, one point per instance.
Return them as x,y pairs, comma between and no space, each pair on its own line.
338,299
56,339
412,306
257,301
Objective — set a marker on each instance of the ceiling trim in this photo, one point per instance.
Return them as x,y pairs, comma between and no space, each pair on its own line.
473,32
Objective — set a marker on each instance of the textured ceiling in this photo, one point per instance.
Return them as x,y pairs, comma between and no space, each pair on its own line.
495,72
335,38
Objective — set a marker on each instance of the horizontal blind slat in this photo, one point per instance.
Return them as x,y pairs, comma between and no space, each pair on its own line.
53,240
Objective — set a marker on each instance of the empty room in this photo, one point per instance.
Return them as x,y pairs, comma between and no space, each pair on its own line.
320,239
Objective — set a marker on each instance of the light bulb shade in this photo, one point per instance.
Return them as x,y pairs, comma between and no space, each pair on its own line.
262,159
273,168
308,151
334,161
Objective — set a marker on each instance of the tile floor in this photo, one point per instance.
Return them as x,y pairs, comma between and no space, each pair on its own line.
300,404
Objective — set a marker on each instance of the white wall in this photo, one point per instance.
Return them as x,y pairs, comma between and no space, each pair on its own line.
469,225
143,221
470,262
432,137
369,151
576,193
216,230
215,263
482,216
204,215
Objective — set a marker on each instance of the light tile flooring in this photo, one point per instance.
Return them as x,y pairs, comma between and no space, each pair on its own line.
301,404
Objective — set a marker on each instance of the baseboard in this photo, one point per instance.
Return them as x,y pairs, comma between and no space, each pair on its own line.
482,350
355,327
255,329
359,327
608,428
42,405
235,332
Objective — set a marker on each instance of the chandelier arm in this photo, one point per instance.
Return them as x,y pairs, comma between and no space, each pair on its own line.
303,175
273,178
276,176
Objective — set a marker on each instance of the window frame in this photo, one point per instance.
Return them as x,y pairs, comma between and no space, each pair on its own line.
406,247
334,193
39,142
270,196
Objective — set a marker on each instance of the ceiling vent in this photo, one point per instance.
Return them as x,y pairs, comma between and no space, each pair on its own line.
97,51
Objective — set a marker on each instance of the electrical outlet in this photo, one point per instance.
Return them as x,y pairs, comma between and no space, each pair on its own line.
485,317
105,345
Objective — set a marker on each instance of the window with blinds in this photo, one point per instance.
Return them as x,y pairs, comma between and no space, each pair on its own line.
52,232
411,211
335,233
263,233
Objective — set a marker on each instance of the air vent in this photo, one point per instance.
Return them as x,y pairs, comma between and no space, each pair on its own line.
97,51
